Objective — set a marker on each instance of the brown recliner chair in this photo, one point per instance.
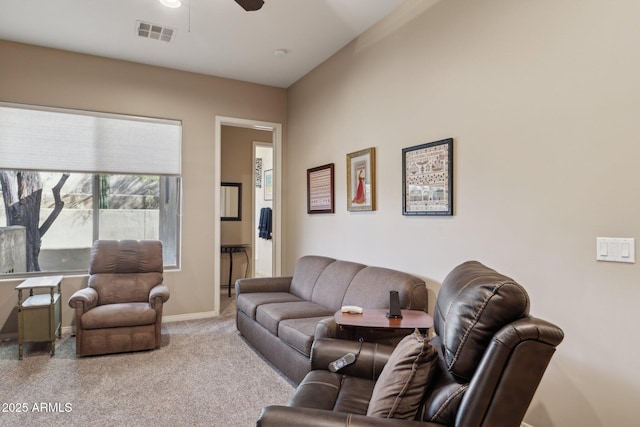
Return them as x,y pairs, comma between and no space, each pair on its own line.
491,356
121,309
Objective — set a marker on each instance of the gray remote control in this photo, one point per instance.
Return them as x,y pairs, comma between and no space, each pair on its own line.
345,360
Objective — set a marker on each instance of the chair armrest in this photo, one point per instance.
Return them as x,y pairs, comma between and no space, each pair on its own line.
369,364
85,299
278,416
263,284
161,291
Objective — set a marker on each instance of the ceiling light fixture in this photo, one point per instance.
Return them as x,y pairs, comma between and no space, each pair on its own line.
171,3
280,52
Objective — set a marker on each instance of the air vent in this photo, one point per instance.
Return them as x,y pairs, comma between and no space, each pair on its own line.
154,31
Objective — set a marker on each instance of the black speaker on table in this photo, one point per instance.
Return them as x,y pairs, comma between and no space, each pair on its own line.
394,306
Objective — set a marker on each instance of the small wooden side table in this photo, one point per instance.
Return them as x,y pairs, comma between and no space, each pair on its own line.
232,249
40,315
373,324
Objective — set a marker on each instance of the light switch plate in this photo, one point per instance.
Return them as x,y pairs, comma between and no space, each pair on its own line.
615,249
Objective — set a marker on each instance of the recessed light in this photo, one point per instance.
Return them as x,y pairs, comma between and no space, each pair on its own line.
280,52
171,3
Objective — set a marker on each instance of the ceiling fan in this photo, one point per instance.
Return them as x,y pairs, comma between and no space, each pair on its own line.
250,5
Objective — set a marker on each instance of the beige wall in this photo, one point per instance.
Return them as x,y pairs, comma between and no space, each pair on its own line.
542,99
49,77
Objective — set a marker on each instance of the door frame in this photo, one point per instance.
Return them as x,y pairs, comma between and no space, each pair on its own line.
276,132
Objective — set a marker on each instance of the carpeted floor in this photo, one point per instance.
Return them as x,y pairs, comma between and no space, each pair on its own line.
204,374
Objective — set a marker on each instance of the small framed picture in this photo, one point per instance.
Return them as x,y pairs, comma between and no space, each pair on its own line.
320,189
361,180
258,173
268,184
427,179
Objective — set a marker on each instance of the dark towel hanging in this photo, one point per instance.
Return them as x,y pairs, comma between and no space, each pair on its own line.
264,226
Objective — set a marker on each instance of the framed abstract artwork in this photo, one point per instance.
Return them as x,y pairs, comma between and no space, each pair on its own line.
320,189
361,180
268,185
427,179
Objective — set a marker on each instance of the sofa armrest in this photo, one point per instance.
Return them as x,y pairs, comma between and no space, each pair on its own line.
278,416
83,300
161,291
369,363
263,284
326,328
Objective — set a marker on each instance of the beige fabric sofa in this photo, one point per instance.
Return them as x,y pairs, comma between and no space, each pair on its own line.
282,316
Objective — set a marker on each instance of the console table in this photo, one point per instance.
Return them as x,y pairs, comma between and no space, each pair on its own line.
40,315
232,249
374,325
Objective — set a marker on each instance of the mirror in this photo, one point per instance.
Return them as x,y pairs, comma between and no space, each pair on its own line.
231,201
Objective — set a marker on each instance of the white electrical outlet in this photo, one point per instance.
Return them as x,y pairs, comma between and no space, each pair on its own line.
616,249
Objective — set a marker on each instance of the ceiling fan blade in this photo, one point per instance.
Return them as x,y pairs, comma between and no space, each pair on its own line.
250,5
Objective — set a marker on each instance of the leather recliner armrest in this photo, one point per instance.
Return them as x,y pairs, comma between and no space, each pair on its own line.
368,364
161,291
83,300
278,416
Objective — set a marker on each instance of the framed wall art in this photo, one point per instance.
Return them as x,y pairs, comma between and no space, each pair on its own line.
268,185
361,180
258,172
427,179
320,189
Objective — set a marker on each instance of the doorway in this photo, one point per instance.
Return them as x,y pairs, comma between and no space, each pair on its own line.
263,210
276,203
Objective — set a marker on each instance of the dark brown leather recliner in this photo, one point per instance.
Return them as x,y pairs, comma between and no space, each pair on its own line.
492,356
121,309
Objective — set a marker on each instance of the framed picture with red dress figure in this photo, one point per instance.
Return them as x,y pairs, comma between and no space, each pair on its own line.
361,180
427,179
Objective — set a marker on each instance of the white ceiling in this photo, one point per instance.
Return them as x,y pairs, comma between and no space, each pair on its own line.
215,37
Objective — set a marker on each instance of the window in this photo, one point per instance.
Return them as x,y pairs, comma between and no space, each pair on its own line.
70,178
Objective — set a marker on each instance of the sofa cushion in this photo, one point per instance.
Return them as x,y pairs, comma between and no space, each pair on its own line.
306,273
122,288
299,333
403,380
249,303
333,283
126,257
371,286
119,315
333,392
270,315
474,302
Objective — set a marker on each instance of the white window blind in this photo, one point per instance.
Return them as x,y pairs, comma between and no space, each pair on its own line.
40,138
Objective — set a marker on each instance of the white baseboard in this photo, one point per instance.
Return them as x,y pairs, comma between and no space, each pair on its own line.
10,336
70,330
189,316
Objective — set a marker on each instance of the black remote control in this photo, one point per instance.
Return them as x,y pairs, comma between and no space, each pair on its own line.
345,360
